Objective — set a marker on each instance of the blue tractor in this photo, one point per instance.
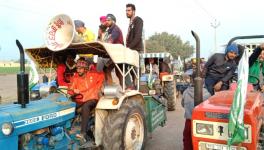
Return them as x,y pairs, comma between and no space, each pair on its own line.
39,124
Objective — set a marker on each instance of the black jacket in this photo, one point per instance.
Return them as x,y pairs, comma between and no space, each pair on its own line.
217,66
134,36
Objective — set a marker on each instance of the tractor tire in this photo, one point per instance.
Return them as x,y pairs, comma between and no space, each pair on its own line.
169,89
125,128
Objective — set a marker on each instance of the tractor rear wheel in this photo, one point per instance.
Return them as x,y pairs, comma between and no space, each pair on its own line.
125,128
169,89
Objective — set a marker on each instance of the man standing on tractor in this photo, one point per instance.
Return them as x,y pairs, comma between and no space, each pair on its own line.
114,35
134,35
102,28
86,34
219,69
86,87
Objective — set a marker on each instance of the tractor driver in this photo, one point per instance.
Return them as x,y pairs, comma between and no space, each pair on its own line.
219,69
86,84
152,67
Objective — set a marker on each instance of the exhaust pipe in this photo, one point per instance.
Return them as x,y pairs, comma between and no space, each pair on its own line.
198,82
22,80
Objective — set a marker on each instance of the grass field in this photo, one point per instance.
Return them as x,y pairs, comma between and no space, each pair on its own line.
11,70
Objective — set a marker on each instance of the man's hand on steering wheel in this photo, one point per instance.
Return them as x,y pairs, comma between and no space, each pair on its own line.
75,94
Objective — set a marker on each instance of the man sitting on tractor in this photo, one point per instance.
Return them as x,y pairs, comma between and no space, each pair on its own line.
219,69
152,67
65,69
256,66
164,65
85,88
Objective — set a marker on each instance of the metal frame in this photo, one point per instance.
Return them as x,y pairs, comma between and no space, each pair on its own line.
124,73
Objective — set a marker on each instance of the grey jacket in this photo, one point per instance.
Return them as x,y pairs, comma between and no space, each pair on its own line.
188,100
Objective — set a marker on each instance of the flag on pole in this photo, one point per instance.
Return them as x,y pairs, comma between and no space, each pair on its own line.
33,75
236,127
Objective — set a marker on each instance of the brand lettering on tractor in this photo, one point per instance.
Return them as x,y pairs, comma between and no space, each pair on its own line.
44,117
49,116
37,119
32,120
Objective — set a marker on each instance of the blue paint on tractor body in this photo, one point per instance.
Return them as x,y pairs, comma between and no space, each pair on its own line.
37,86
54,111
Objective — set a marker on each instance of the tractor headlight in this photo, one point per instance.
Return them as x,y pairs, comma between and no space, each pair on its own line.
112,91
7,128
34,95
205,129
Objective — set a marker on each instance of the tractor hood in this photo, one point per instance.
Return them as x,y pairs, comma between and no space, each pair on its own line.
218,106
38,114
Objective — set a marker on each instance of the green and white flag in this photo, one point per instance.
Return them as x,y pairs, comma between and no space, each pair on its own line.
236,127
33,75
151,79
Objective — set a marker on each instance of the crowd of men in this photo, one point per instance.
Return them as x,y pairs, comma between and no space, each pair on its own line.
110,32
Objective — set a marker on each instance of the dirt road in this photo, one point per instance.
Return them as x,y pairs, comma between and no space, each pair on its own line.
170,136
163,138
8,89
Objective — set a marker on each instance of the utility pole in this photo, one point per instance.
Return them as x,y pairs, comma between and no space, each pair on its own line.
215,24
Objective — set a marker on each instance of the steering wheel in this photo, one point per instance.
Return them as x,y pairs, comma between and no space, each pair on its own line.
62,90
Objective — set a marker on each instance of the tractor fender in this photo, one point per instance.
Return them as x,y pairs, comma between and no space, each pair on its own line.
167,77
104,105
115,103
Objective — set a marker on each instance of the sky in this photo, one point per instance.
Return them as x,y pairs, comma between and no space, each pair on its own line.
26,20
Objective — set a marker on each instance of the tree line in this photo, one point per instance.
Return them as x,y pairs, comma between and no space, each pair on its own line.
165,42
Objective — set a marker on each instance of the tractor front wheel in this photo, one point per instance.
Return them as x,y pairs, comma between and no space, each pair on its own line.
125,128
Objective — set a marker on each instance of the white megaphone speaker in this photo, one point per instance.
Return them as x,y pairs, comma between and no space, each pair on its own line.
60,33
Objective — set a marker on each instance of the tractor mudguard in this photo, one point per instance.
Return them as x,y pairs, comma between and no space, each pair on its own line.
101,111
114,103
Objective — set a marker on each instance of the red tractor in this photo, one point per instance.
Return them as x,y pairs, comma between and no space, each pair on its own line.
210,118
